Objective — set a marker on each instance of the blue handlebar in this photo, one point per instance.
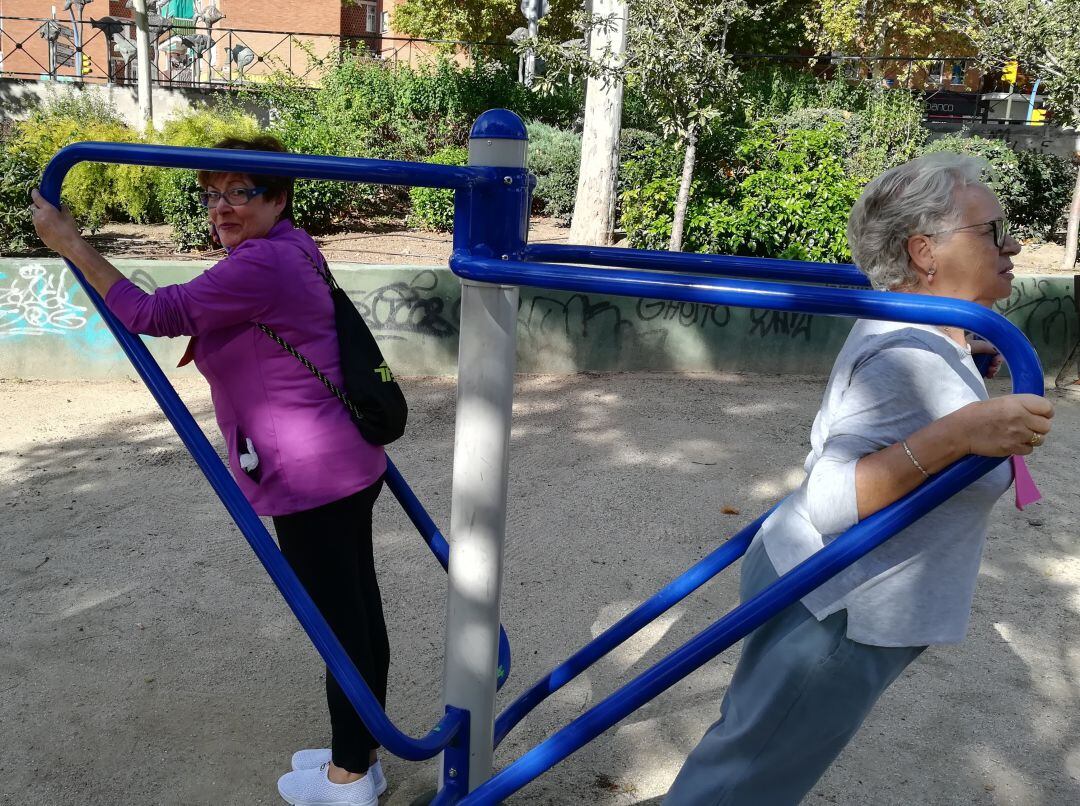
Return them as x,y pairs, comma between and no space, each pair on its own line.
1023,363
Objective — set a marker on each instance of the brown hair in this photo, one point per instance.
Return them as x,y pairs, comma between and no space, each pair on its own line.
276,186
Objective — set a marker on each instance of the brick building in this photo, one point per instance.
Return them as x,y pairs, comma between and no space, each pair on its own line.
263,28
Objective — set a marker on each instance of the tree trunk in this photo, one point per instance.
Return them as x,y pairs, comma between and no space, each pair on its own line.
594,208
683,199
1073,228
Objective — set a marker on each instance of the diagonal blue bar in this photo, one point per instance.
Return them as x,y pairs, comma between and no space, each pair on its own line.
802,579
760,268
659,603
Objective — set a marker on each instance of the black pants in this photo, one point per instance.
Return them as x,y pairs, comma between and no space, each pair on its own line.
329,548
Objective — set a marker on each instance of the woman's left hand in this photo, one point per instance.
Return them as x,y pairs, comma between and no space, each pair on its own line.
55,227
983,347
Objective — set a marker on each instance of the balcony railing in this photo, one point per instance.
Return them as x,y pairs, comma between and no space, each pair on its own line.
185,54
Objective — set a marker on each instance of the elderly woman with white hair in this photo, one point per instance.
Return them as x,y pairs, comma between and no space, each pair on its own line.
902,403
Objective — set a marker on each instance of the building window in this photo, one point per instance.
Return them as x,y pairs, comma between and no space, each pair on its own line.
371,18
386,22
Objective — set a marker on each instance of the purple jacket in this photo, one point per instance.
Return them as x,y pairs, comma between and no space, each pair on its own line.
309,451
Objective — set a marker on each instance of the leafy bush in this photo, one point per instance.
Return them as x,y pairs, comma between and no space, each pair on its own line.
793,202
554,156
370,108
648,187
888,132
786,193
1003,176
433,208
18,176
776,90
95,192
1049,182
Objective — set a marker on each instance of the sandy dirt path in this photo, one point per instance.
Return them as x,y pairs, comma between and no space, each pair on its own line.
145,657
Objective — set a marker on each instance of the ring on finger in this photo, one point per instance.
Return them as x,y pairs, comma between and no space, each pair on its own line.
1036,439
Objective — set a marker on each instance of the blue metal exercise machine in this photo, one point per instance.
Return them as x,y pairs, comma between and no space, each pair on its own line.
492,257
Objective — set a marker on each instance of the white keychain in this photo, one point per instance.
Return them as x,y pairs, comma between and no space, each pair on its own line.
249,460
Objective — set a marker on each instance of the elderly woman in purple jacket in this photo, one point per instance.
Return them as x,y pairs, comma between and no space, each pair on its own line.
293,449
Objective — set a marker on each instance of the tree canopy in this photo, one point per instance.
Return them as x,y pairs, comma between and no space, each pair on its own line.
477,20
890,28
1044,35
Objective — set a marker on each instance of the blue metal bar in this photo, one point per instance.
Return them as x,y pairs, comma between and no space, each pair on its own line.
666,598
303,166
224,485
808,575
439,547
917,308
758,268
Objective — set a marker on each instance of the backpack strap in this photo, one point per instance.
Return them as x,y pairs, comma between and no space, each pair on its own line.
314,370
324,272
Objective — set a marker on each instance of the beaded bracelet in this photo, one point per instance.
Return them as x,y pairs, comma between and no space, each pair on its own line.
914,461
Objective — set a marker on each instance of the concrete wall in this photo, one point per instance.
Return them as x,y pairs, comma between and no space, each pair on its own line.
19,98
49,330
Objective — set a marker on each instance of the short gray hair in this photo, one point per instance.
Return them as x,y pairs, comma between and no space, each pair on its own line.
913,198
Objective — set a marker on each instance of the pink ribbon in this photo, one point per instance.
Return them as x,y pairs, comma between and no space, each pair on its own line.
1026,490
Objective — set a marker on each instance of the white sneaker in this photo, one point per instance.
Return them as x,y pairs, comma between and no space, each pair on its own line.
314,788
310,759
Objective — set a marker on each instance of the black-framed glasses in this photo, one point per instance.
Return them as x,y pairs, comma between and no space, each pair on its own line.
1000,226
235,197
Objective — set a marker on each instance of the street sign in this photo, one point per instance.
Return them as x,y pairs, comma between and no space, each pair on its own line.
65,55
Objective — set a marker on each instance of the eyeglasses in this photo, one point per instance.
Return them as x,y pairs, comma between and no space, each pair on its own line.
1000,228
236,197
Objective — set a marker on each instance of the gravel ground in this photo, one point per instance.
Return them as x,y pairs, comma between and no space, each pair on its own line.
145,657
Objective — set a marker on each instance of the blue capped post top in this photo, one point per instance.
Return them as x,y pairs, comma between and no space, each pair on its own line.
499,139
498,124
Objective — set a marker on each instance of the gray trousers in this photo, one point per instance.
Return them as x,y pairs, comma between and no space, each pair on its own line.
800,692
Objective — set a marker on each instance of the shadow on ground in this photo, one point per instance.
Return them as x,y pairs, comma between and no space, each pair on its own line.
145,657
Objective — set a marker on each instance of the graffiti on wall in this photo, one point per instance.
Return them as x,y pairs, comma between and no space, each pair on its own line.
592,330
687,314
408,307
780,323
577,316
1038,308
38,302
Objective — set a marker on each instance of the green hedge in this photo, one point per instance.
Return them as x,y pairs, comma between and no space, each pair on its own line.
785,193
18,176
432,208
555,157
775,178
1049,181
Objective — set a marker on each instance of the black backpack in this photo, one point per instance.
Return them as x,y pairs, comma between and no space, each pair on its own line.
372,396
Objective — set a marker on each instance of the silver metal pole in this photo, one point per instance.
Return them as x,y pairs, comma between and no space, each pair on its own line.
530,55
486,361
142,50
